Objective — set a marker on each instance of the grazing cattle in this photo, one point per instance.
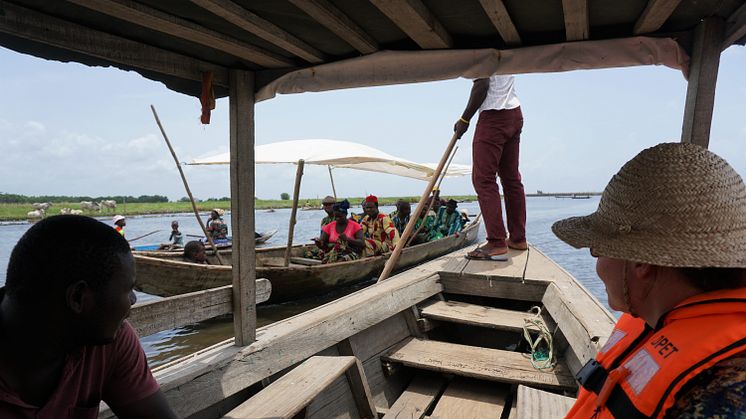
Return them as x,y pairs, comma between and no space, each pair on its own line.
89,206
65,211
43,206
35,215
76,212
108,204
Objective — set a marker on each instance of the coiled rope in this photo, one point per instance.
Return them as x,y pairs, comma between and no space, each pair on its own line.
542,355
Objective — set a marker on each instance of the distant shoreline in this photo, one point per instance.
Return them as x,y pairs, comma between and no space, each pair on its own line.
18,212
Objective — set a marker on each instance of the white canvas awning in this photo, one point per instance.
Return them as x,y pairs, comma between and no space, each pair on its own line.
336,153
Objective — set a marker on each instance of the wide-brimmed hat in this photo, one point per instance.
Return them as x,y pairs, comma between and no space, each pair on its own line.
675,204
219,211
328,200
117,218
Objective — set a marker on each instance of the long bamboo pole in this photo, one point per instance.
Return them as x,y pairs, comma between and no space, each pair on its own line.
334,190
291,226
391,262
186,185
432,201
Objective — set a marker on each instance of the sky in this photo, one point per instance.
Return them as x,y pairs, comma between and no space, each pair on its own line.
69,129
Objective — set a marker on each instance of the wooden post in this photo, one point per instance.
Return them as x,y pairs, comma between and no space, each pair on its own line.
186,185
334,190
241,111
291,226
391,262
700,92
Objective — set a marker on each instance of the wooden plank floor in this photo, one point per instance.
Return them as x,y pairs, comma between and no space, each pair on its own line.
476,315
417,398
477,362
471,399
533,403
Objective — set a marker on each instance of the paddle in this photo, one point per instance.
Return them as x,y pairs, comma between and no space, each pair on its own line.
144,235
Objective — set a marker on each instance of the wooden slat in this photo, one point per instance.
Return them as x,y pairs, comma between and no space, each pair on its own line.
304,261
156,20
574,327
654,16
576,19
181,310
241,112
471,399
510,288
37,27
416,20
735,27
360,391
417,398
333,19
295,390
476,315
477,362
700,92
500,18
262,28
514,267
533,403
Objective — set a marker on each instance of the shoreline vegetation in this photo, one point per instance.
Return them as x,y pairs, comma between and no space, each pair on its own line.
18,211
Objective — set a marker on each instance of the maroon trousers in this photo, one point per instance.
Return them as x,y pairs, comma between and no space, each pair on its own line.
495,152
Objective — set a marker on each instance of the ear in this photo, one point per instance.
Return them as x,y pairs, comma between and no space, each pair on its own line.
77,296
644,271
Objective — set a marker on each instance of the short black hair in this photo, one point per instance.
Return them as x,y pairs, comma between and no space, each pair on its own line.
60,250
192,248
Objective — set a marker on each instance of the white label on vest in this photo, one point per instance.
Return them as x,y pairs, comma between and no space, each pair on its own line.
615,337
642,368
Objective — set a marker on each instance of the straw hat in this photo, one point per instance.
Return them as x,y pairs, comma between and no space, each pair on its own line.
675,204
220,211
329,200
117,218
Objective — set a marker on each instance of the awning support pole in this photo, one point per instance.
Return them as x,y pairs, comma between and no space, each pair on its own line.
291,226
391,262
700,91
241,93
334,190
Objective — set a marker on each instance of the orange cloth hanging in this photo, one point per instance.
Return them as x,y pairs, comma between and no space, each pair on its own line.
207,97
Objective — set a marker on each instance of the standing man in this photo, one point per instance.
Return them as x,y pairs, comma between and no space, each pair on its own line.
64,343
119,223
495,152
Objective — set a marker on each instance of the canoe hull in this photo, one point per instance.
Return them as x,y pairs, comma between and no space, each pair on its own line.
167,275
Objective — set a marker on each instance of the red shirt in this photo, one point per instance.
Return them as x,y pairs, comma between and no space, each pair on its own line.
116,373
350,231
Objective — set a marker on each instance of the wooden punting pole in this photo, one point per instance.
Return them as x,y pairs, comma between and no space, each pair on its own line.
291,226
186,185
391,262
331,177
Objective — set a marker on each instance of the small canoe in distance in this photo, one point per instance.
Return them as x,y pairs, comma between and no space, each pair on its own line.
166,274
263,238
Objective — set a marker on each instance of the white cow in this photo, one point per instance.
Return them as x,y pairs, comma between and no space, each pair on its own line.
41,205
76,212
64,211
108,204
89,206
36,215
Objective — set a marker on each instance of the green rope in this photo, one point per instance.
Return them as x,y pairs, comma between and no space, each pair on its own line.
542,355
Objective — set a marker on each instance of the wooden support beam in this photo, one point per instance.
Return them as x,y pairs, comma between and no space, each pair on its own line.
576,19
703,71
735,27
654,16
244,19
499,16
37,27
333,19
180,310
416,20
242,204
156,20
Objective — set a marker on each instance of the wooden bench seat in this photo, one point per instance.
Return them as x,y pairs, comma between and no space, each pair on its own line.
305,261
476,362
476,315
471,399
417,398
533,403
287,396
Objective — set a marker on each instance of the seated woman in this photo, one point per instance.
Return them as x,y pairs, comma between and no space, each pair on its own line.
216,227
194,252
424,229
342,239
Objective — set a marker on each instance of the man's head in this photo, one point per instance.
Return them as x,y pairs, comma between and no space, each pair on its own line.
195,251
174,225
119,220
328,204
403,207
370,206
676,206
451,206
77,271
436,204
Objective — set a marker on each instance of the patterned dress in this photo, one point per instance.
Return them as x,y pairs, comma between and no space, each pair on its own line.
399,222
217,229
380,234
449,224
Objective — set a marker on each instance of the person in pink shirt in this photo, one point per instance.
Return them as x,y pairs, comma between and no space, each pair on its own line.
342,239
65,345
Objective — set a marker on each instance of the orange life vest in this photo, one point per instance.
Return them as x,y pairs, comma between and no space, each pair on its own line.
119,230
640,370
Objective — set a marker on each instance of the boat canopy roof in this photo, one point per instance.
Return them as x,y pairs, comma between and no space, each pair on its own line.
336,153
299,45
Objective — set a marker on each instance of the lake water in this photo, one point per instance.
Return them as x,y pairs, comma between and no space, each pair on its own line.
171,344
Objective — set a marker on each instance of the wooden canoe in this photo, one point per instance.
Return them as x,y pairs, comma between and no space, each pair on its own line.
166,274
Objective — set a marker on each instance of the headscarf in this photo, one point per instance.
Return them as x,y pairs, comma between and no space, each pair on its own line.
341,206
371,198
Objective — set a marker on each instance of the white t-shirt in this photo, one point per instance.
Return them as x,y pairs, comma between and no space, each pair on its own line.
501,94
